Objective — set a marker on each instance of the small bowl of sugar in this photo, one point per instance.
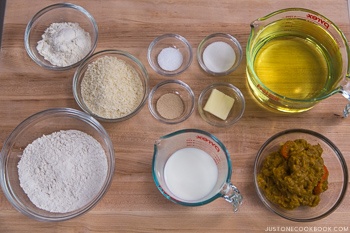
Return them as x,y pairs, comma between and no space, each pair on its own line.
171,101
219,54
60,36
170,54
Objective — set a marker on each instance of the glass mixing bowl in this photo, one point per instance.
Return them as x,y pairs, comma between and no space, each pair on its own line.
35,126
337,180
58,13
131,61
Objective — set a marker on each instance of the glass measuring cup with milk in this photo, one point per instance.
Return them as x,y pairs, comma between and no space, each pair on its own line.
296,58
192,167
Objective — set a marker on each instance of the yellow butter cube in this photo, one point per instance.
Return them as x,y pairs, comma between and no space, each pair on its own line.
219,104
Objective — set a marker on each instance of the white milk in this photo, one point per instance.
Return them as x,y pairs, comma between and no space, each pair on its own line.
190,174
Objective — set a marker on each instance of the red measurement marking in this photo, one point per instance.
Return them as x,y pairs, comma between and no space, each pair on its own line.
189,142
268,94
217,159
319,20
210,142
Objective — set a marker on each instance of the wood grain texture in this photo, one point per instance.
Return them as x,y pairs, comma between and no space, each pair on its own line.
133,203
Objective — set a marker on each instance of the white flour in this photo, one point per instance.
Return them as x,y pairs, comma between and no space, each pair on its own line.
60,172
64,44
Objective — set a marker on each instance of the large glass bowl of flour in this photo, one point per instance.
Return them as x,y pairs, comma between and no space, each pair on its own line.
56,165
60,36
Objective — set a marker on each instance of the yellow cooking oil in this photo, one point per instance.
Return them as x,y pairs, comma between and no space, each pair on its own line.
294,59
292,67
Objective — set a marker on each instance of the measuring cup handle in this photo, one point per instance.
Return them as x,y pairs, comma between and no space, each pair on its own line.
232,195
345,91
346,110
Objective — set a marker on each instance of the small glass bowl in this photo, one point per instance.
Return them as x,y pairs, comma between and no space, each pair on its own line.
126,57
220,37
177,87
169,41
57,13
35,126
337,179
236,112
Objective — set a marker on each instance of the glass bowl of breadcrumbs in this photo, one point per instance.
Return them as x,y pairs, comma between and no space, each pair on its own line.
111,85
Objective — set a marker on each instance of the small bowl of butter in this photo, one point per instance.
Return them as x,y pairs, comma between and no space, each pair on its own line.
221,104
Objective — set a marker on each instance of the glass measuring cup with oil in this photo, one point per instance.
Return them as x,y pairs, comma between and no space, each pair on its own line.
296,58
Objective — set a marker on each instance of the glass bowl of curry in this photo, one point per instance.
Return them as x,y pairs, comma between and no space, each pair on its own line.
300,175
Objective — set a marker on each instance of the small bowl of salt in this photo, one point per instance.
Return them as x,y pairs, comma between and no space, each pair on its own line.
169,54
60,36
219,54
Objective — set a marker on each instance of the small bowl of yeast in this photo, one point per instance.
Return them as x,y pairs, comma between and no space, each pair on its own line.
171,101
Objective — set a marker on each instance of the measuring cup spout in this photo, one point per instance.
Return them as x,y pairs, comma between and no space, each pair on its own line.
157,142
254,24
232,195
254,28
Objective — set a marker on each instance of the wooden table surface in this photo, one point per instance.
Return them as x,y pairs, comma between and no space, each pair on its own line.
133,203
